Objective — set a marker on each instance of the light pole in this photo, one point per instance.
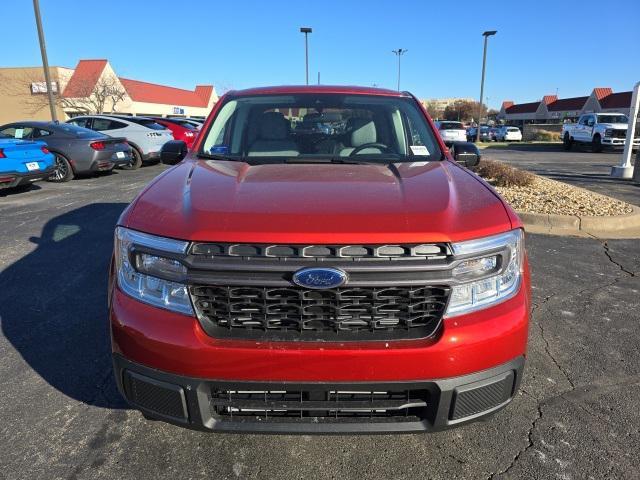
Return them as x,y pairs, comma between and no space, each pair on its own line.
486,36
399,52
45,62
306,31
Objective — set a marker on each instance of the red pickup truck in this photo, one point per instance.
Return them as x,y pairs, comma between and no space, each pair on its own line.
349,278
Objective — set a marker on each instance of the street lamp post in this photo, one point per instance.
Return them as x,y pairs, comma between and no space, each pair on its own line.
486,36
399,52
45,62
306,31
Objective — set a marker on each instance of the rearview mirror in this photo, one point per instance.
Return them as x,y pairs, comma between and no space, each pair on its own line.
466,153
173,152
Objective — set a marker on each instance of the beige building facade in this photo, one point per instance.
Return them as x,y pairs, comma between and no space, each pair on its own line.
94,87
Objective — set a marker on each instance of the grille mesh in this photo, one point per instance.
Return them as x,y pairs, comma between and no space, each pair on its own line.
272,405
363,312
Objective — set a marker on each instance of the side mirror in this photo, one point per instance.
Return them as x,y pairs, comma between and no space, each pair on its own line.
173,152
466,153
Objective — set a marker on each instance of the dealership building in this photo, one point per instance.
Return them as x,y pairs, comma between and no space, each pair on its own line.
92,83
551,109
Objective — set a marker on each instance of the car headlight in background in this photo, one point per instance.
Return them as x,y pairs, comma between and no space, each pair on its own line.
144,274
490,272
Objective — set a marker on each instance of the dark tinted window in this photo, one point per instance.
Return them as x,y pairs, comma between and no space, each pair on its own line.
17,131
39,133
182,123
101,124
451,126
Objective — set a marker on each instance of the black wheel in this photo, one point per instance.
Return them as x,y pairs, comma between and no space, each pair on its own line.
596,143
567,142
63,171
136,160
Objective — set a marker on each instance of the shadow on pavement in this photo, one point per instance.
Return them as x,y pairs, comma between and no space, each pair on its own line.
53,304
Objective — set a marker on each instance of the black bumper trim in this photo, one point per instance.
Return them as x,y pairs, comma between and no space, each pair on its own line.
439,411
24,178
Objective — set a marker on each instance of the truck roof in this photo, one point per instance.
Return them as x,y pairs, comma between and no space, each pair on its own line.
342,89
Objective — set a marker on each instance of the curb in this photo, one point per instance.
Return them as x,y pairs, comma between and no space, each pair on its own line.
627,226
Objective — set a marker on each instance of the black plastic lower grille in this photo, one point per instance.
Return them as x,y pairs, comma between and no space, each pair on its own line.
274,405
296,313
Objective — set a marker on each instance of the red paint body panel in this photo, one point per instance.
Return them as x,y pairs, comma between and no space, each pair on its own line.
179,132
234,202
176,343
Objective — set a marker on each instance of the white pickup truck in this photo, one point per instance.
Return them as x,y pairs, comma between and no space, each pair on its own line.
599,130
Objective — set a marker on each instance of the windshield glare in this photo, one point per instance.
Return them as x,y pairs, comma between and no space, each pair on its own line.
321,125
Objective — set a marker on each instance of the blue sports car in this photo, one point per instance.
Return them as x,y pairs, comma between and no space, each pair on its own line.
23,162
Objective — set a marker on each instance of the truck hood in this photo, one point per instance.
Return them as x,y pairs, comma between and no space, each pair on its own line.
206,200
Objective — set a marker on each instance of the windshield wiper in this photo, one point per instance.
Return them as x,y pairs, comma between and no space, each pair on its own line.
213,156
338,160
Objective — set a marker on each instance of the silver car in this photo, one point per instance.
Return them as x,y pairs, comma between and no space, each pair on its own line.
145,136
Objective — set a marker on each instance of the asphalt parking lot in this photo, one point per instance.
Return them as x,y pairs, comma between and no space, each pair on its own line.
579,167
61,417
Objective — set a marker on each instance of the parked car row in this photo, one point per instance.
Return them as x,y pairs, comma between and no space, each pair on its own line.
503,133
85,144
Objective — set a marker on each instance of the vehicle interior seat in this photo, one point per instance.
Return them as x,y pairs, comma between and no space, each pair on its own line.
273,137
363,131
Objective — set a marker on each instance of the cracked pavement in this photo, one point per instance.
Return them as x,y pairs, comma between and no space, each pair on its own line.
576,416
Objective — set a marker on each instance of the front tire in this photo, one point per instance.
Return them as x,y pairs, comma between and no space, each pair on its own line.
136,160
596,143
567,142
63,171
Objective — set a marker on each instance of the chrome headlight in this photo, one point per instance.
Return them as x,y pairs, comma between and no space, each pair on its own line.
490,271
608,132
148,276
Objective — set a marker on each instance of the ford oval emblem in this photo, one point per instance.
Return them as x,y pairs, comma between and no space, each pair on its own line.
319,277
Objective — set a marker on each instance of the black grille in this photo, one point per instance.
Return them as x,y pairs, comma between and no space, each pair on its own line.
311,405
617,133
156,396
473,399
296,313
311,252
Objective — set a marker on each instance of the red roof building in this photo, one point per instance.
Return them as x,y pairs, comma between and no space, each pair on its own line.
141,98
552,109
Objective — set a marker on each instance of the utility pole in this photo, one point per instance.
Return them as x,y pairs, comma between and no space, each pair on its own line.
306,31
318,78
486,36
399,52
45,62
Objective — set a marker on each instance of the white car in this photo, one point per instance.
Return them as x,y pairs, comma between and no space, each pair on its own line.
599,130
452,131
509,134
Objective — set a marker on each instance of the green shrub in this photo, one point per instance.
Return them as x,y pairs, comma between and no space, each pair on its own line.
503,175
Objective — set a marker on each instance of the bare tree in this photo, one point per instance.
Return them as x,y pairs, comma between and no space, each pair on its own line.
90,98
104,95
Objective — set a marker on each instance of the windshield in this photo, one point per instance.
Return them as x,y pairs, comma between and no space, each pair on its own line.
613,119
451,126
320,126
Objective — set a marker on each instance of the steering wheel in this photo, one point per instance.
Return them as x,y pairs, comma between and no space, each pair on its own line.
381,146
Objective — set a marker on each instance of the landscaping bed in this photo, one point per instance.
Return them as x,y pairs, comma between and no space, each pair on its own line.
530,193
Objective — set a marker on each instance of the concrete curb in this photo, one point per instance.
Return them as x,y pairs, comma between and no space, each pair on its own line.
619,226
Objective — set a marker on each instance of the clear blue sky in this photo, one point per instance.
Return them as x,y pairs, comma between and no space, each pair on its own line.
541,46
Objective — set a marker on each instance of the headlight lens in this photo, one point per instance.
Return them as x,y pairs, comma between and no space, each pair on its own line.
506,261
145,276
608,132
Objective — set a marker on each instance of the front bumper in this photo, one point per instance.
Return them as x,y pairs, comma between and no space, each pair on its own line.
618,142
208,405
15,179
